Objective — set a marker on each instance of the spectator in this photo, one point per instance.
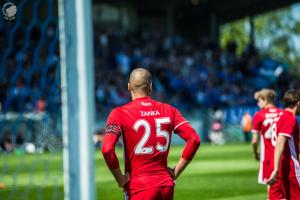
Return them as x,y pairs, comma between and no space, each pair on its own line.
246,124
6,143
216,134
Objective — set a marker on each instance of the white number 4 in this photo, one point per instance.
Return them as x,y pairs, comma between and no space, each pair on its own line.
140,147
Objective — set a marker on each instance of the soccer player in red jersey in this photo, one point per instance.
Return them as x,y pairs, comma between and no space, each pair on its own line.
285,177
262,126
145,127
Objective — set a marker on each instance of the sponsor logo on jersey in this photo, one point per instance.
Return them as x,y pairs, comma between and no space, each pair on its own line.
146,103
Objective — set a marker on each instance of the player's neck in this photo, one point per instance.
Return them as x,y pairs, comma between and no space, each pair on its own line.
138,95
269,106
292,110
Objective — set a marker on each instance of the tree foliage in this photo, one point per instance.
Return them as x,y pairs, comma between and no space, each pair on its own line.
277,34
237,31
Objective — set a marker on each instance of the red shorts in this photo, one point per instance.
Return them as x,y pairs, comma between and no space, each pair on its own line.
157,193
285,188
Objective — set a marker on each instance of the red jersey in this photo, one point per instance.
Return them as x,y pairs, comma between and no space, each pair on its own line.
287,126
262,122
145,126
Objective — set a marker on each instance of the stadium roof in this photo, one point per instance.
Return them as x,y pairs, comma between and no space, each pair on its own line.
225,10
194,18
229,10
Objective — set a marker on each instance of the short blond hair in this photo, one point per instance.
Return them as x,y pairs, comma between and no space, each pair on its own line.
266,94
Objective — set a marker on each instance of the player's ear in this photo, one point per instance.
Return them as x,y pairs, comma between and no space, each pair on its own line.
298,104
298,108
150,88
128,87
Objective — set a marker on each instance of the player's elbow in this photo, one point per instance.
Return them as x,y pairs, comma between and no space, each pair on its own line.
191,147
107,150
110,156
188,133
195,140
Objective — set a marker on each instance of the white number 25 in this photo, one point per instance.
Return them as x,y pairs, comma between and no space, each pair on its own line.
140,147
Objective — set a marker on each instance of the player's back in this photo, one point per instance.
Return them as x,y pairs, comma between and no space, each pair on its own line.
262,122
146,129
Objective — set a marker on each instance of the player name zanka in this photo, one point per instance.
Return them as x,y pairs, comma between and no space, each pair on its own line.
149,113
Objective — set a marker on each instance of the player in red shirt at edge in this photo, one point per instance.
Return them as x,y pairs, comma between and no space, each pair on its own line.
262,122
285,177
145,126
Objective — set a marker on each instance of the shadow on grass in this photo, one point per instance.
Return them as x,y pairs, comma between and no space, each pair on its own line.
220,185
32,193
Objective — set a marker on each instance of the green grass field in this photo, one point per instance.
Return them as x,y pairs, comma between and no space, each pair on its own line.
217,172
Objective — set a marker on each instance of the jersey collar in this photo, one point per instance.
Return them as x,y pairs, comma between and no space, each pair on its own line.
142,98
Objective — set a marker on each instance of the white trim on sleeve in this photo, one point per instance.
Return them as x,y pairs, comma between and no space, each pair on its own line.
254,131
179,125
285,134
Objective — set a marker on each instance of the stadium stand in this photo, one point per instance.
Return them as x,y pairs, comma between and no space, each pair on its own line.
188,74
29,60
29,71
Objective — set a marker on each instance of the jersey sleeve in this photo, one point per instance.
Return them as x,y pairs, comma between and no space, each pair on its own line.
114,124
189,135
256,123
287,125
113,131
178,119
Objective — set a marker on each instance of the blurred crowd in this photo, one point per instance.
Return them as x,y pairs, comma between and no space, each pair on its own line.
29,69
185,74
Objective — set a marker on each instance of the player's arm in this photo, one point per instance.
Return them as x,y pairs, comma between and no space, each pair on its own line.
110,140
285,131
255,139
279,148
255,135
186,132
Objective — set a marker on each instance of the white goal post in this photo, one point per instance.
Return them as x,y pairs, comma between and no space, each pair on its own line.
77,83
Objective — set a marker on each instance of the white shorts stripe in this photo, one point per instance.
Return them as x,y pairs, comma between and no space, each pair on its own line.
126,197
262,158
294,158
